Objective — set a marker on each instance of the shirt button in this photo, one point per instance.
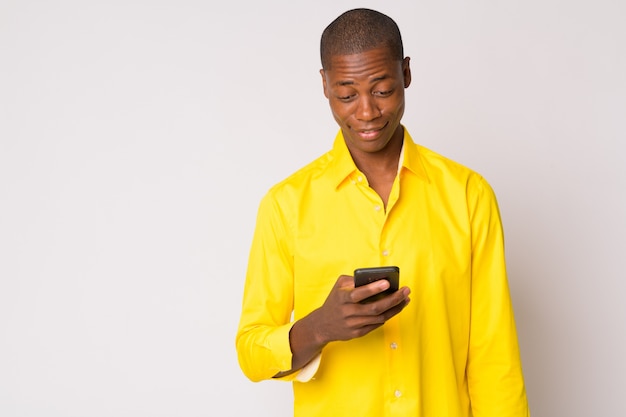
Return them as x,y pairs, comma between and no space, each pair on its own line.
385,252
377,207
398,393
393,345
360,178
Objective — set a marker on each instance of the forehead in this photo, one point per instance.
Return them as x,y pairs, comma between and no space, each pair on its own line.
370,64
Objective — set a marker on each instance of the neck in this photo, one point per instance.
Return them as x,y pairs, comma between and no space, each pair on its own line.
382,162
381,168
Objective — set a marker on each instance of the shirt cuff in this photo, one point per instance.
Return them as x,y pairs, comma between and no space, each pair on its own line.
309,370
279,343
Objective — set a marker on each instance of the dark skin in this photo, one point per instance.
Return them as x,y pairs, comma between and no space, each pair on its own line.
366,96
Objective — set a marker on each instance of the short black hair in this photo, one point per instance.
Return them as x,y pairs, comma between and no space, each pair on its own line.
359,30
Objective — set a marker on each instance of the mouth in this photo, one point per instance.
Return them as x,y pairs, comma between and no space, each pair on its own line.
369,134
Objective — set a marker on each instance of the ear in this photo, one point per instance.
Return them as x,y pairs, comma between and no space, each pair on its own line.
406,71
323,74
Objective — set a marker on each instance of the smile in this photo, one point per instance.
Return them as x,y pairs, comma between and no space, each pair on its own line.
370,133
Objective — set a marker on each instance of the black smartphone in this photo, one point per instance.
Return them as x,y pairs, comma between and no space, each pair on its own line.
363,276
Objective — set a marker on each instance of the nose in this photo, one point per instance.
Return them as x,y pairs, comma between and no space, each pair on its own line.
367,109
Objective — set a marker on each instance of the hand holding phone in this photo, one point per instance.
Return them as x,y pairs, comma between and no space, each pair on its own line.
364,276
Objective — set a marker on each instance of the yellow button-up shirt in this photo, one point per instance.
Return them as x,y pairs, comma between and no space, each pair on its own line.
451,352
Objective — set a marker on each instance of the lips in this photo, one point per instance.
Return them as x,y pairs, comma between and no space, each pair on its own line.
369,133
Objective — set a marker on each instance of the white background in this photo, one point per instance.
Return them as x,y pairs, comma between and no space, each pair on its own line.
137,137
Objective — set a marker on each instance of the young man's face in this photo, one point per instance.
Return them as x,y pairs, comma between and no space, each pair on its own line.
366,96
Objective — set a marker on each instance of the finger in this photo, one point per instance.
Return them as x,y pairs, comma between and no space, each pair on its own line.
365,291
395,309
345,281
381,305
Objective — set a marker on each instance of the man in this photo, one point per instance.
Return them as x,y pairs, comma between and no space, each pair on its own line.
445,343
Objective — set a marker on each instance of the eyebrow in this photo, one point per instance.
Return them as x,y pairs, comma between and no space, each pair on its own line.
372,81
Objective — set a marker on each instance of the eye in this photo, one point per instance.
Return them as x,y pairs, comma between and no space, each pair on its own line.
383,93
346,98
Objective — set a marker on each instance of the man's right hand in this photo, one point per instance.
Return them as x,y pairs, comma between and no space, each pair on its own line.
343,317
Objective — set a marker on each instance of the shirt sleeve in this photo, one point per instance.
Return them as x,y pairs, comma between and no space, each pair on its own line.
262,339
494,371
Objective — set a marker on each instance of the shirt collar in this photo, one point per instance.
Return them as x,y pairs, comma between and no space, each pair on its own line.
343,166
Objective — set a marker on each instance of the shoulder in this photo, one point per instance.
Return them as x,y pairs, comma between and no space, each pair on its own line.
459,185
294,185
440,168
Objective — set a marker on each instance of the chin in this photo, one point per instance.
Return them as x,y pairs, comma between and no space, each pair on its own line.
372,146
